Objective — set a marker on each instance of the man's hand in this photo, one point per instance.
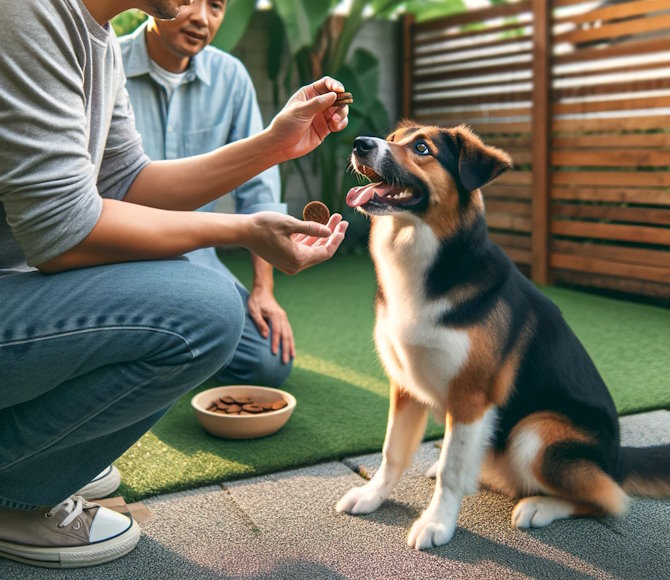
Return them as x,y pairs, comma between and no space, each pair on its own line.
309,117
291,245
264,309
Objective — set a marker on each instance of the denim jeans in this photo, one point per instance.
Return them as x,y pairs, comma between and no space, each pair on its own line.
91,358
253,362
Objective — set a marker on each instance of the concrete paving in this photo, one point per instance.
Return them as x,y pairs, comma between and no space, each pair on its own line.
284,526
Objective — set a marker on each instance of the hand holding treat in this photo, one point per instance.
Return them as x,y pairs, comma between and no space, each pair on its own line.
316,211
344,99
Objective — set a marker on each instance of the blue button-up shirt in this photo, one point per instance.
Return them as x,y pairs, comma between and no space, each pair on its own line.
215,104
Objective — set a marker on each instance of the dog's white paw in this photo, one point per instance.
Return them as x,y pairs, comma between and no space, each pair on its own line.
539,511
432,471
360,500
430,531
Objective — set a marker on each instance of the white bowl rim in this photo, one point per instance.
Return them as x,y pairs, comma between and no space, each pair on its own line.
289,397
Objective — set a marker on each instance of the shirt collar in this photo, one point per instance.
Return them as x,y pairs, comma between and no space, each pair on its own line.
138,62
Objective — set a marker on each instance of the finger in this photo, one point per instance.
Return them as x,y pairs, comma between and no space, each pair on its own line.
276,324
339,114
317,104
287,342
260,323
333,222
327,84
310,228
335,127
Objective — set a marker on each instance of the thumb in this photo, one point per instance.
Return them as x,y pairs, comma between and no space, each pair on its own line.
318,103
311,229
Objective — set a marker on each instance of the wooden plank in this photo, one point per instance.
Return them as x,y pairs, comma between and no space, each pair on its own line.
506,191
466,115
471,84
612,88
625,254
637,67
615,178
484,128
521,242
612,213
615,30
493,99
515,178
542,52
504,221
613,158
511,207
593,265
627,285
612,105
616,11
616,124
593,230
408,63
451,35
478,15
651,141
473,62
447,50
429,74
517,255
626,49
619,195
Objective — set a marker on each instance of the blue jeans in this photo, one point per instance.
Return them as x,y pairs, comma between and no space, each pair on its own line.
90,359
253,362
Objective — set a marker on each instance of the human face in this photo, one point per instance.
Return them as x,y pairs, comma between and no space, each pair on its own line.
192,30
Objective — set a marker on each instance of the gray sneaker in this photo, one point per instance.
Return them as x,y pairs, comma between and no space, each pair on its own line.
73,534
105,483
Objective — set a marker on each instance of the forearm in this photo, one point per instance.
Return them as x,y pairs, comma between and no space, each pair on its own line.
190,183
128,232
263,273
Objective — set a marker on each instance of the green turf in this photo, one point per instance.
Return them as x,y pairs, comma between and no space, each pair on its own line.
341,389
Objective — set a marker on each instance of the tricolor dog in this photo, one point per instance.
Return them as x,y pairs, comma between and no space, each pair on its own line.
460,331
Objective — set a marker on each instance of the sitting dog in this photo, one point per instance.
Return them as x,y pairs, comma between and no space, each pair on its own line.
462,332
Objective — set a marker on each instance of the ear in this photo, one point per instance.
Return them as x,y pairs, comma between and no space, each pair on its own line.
478,164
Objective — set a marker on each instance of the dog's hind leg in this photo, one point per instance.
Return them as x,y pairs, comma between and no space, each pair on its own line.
406,425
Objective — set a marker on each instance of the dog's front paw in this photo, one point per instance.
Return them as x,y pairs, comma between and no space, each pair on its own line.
360,500
430,531
432,470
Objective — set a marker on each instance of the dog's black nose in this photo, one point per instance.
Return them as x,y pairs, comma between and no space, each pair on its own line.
363,145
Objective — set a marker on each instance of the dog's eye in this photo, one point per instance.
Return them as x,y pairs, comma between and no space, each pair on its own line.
421,148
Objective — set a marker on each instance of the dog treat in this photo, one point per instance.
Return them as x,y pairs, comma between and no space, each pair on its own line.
316,211
243,405
344,99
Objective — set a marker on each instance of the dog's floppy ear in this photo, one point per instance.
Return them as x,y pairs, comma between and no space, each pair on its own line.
478,164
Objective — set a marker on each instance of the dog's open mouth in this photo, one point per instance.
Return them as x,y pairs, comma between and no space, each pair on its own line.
382,193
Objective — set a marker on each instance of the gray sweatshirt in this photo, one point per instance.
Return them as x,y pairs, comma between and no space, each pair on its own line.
67,132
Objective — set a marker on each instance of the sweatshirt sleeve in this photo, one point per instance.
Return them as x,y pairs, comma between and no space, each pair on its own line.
47,176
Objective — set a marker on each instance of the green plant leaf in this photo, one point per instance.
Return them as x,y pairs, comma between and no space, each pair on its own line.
302,20
128,21
429,9
235,23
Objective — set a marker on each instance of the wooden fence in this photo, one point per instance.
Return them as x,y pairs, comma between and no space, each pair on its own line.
578,92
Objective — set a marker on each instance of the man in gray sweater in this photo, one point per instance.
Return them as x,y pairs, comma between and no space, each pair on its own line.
103,326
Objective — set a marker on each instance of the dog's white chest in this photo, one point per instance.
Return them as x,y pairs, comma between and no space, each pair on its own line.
419,353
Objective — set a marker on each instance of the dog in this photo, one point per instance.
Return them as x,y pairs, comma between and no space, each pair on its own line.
460,331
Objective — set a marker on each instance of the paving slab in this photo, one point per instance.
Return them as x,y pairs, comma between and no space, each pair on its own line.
284,526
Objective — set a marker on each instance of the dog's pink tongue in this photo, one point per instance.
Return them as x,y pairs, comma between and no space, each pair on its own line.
361,195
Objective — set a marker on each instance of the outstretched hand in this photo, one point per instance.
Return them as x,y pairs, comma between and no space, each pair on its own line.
291,245
309,117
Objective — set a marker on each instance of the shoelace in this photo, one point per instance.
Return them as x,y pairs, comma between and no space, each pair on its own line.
72,505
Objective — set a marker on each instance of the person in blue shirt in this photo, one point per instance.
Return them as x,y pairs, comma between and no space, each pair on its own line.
190,98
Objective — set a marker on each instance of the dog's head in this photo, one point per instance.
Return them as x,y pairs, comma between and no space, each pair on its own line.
429,172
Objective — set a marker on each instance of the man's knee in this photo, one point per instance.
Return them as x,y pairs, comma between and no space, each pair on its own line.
270,371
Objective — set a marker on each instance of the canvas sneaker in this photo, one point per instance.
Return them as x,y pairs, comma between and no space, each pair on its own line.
106,483
73,534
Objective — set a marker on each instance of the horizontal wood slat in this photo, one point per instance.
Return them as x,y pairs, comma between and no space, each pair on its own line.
640,234
625,158
618,195
613,213
589,264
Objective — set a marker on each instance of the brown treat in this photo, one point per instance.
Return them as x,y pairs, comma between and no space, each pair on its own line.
316,211
253,408
344,99
280,404
227,400
266,406
222,406
233,409
211,407
242,400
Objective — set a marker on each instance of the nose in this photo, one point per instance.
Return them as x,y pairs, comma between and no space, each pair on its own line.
363,145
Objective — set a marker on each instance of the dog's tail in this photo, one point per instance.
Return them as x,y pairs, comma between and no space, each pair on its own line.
645,471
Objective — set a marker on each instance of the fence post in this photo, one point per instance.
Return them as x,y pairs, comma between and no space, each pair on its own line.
408,63
541,127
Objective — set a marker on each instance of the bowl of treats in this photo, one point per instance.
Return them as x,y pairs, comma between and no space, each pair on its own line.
243,411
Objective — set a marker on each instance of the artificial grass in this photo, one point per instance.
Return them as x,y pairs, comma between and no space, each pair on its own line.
342,392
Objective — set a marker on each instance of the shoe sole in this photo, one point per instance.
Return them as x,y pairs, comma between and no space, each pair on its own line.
102,487
74,557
